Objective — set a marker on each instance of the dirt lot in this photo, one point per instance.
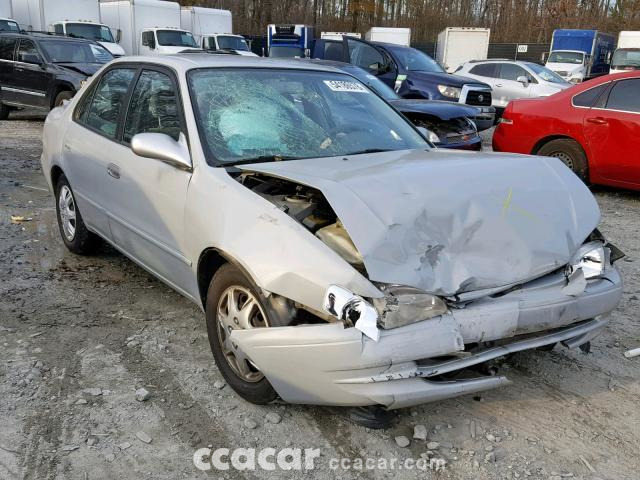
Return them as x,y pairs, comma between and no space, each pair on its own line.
79,335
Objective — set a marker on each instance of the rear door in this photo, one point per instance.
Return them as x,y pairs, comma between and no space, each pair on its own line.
32,79
371,58
90,144
613,133
7,76
507,87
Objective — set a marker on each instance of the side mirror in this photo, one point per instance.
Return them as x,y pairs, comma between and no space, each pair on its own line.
30,58
118,35
160,146
523,80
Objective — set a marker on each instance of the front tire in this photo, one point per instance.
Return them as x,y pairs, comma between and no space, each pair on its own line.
570,153
74,232
234,303
61,97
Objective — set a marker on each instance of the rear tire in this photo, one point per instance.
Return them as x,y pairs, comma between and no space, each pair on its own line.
73,231
4,111
223,316
570,153
61,97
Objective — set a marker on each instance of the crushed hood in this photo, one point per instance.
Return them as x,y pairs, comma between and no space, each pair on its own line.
442,110
452,222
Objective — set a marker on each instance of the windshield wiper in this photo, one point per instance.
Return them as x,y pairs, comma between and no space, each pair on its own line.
263,159
369,150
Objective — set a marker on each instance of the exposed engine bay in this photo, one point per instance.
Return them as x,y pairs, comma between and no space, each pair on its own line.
454,130
309,207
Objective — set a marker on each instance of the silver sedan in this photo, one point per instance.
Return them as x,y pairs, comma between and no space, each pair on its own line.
339,258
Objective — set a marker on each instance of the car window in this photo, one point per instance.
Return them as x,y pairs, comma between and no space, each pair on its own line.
104,112
333,51
292,114
625,96
364,56
7,47
589,97
509,71
27,47
57,28
153,107
484,70
148,40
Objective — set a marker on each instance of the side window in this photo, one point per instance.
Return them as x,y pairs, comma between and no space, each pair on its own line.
625,96
484,70
148,40
364,56
333,51
27,52
509,71
153,107
108,99
588,97
7,47
57,28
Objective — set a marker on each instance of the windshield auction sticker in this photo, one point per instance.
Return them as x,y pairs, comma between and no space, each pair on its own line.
342,86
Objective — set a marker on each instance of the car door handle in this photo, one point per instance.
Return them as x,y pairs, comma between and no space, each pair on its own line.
597,121
113,170
67,147
498,85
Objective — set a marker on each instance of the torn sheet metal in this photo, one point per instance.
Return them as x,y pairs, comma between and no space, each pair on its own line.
452,222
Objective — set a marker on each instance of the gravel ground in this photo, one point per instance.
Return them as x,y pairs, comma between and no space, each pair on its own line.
79,336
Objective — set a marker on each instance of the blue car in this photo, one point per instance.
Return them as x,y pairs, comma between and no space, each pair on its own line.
449,124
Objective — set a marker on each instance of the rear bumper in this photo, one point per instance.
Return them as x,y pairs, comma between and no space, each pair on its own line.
331,365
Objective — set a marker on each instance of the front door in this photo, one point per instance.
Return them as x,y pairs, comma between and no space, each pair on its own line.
506,86
90,145
148,196
613,133
31,77
369,57
7,76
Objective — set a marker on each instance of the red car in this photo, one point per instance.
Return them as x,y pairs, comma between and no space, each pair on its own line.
594,128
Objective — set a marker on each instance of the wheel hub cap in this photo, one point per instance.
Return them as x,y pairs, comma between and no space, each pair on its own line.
565,158
238,309
67,208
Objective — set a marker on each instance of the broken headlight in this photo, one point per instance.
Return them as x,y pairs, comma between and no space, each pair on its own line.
591,258
405,305
353,310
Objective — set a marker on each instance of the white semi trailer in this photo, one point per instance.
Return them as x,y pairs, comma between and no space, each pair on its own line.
79,18
147,27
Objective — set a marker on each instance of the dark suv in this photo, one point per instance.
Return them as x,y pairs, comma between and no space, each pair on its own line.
38,70
411,73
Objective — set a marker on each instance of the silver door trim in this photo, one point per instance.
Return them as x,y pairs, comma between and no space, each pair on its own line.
26,92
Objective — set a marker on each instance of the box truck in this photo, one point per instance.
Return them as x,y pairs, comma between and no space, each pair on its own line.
577,55
212,29
627,54
78,18
7,24
147,27
457,45
290,41
338,35
399,36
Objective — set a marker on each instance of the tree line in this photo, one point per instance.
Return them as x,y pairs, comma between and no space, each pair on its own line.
524,21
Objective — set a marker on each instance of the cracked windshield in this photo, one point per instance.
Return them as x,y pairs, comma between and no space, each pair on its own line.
285,115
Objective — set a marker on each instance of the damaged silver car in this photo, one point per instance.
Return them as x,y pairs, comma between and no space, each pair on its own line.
339,258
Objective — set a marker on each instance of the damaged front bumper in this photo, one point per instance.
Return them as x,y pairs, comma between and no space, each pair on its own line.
328,364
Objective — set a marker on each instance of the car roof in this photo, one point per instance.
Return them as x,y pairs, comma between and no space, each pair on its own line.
192,60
